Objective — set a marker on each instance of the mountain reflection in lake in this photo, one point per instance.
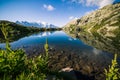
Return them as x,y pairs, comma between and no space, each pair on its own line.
57,40
65,51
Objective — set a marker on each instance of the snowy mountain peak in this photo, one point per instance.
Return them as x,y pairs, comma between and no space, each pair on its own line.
36,24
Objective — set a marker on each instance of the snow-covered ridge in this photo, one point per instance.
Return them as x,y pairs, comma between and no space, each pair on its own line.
36,24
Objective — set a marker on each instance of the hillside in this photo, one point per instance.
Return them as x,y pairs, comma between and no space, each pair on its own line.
100,28
105,21
15,31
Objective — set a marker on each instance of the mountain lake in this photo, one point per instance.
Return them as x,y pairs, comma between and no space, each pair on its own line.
65,51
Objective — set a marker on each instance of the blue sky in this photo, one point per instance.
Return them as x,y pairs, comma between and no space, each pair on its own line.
57,12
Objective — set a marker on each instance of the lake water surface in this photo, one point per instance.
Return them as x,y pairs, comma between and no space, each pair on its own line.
56,39
65,50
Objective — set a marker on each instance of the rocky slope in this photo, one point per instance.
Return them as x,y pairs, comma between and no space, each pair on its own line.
105,21
101,28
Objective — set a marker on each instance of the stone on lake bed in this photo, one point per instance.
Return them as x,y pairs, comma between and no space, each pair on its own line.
67,69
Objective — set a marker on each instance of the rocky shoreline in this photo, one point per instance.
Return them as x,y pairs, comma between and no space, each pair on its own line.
79,64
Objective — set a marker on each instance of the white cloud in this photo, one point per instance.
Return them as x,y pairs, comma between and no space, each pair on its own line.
105,2
48,7
99,3
72,17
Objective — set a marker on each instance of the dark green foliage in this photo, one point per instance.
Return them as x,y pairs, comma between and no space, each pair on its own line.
14,64
113,72
46,50
16,31
72,28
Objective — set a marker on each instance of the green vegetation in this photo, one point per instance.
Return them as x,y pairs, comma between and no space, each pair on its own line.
16,31
72,28
113,72
97,22
14,64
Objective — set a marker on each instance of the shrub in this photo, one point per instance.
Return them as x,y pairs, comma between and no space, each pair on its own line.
14,64
113,72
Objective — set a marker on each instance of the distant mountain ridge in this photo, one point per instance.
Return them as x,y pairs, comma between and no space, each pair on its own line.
36,24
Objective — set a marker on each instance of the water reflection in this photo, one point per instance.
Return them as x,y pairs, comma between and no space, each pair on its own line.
43,34
111,45
57,40
96,51
66,51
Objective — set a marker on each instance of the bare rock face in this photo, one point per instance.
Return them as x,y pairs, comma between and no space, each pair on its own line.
105,21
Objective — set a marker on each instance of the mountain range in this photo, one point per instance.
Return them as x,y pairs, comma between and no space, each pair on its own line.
36,24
